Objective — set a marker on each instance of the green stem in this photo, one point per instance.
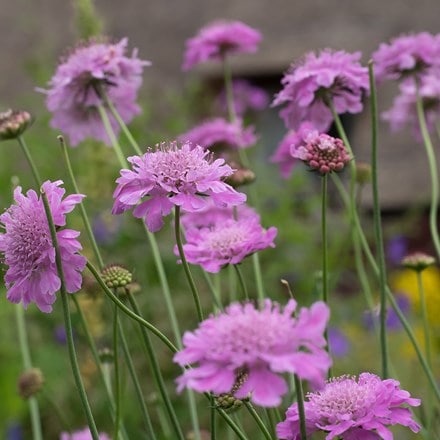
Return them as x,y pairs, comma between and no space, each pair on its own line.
82,209
324,239
301,412
157,374
185,265
129,312
26,152
424,318
213,419
258,276
228,88
111,135
68,323
117,383
258,420
214,291
378,226
232,425
241,281
433,173
27,364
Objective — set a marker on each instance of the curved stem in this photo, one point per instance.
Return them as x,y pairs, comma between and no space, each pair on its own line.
301,412
241,281
116,375
232,425
26,152
258,420
378,226
433,174
68,323
129,312
185,265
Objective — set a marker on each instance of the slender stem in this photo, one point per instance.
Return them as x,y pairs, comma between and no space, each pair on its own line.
26,152
214,291
111,135
228,88
378,226
27,364
213,419
137,387
424,318
117,383
258,277
433,173
157,374
258,420
301,412
241,281
185,265
82,209
232,425
129,312
68,323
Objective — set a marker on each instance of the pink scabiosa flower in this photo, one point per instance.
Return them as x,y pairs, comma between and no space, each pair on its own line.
27,247
173,176
292,140
74,91
246,97
218,39
256,347
82,435
226,242
336,76
353,409
322,153
404,110
406,55
218,133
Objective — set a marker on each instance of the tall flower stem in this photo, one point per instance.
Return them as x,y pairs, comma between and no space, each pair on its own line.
301,412
68,323
433,172
378,225
185,265
241,281
258,420
324,247
82,210
116,374
213,420
27,364
31,162
232,425
227,74
157,374
424,318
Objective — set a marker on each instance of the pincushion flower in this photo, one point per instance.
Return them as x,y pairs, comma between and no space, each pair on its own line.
331,75
74,91
256,346
322,153
27,247
173,176
246,97
82,435
353,409
226,242
283,155
218,39
406,55
218,133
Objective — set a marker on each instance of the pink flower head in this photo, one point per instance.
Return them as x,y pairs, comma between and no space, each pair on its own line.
211,215
259,344
404,110
336,76
352,409
73,94
246,97
291,141
322,153
218,39
228,241
85,434
27,246
173,176
219,133
407,54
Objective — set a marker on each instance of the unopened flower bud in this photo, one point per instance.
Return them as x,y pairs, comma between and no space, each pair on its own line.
116,276
30,382
363,173
13,123
418,261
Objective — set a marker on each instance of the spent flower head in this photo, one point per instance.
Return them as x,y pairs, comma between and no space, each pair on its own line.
218,39
323,153
226,242
32,274
418,261
262,344
184,176
13,123
315,80
75,91
30,382
352,409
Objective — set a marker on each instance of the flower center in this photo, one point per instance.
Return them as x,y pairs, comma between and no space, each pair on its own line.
225,239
